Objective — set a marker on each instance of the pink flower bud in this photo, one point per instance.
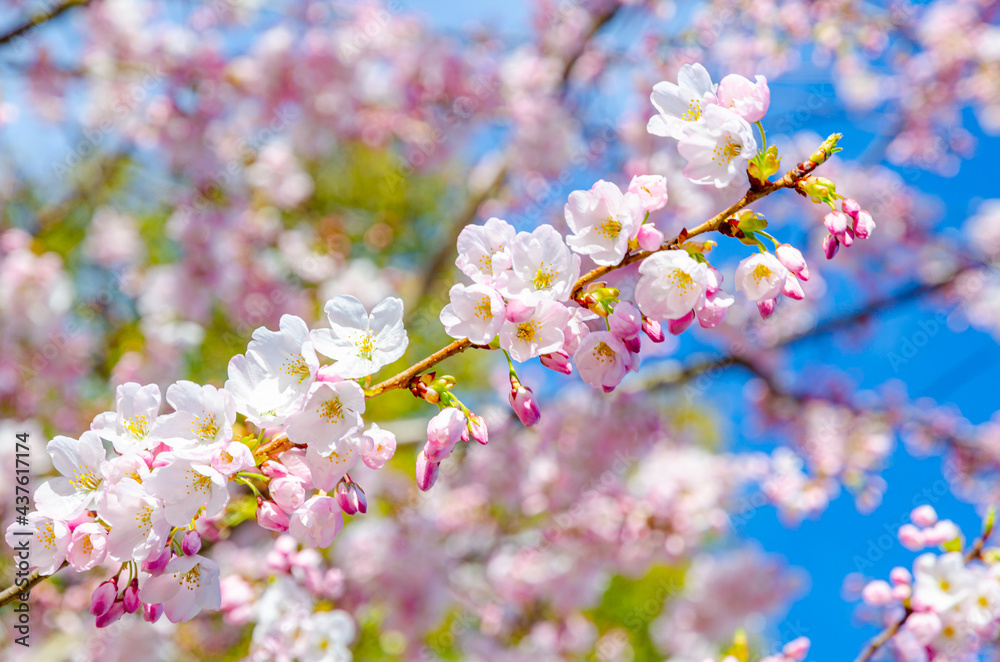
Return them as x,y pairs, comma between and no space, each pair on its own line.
350,497
427,472
797,649
626,321
792,289
836,223
678,326
103,597
749,100
941,533
191,543
273,469
847,239
877,593
830,246
558,361
130,596
478,430
444,430
152,613
911,537
155,563
147,457
864,224
924,516
653,330
766,307
900,575
850,207
522,401
791,258
116,611
271,517
517,311
652,192
633,344
159,461
649,238
288,492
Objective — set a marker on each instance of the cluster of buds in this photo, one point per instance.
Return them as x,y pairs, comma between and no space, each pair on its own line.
845,225
454,423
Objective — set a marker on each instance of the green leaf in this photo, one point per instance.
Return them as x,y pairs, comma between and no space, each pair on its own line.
953,545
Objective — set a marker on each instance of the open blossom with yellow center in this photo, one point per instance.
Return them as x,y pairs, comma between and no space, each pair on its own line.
602,360
361,343
47,540
681,104
761,276
332,410
187,585
483,250
535,331
720,150
603,220
542,267
475,312
204,416
671,285
80,462
132,427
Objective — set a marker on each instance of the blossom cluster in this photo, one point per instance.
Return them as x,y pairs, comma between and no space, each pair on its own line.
949,604
140,505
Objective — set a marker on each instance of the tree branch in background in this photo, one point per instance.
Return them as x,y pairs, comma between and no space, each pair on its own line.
496,184
35,21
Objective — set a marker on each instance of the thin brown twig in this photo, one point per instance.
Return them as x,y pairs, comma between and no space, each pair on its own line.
12,593
35,21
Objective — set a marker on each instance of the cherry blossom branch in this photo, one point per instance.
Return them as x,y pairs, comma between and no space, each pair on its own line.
35,21
878,641
789,180
11,593
757,191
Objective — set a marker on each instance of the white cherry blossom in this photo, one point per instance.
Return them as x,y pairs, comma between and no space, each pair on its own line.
532,331
187,585
719,150
138,522
332,410
542,267
185,485
360,343
81,464
603,220
476,312
131,427
671,285
257,392
484,250
681,106
761,276
47,539
203,416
